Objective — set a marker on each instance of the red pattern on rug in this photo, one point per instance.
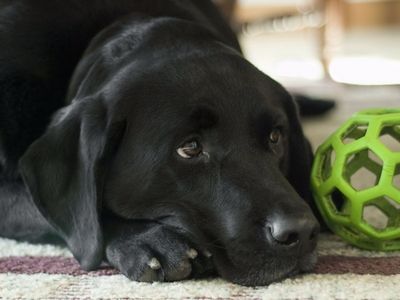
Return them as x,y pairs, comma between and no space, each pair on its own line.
326,265
48,265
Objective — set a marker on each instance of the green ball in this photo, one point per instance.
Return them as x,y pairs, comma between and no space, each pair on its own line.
355,180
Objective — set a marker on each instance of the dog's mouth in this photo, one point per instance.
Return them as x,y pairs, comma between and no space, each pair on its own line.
308,262
305,264
272,270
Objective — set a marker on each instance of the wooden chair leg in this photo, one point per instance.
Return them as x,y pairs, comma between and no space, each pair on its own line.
330,35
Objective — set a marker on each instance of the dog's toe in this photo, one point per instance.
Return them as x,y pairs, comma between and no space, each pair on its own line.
162,256
148,275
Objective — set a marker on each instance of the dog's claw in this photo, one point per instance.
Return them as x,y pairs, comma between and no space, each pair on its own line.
192,253
154,264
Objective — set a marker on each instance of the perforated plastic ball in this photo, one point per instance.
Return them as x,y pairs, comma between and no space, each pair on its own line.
356,180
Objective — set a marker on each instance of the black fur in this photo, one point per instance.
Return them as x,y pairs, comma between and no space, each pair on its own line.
95,98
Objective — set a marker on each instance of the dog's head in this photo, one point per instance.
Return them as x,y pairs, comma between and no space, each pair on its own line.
199,140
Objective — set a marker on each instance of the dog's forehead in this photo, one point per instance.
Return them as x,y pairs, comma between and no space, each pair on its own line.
222,81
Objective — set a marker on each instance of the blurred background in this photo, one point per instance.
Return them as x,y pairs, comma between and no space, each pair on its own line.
344,50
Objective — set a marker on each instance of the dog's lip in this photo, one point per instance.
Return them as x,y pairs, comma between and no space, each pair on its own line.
308,262
305,264
301,264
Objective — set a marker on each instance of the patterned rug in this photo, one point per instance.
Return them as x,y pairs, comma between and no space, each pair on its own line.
343,272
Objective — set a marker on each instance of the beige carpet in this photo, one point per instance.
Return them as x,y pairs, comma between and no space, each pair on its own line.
343,272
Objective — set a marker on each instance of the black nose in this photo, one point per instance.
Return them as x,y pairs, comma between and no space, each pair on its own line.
297,232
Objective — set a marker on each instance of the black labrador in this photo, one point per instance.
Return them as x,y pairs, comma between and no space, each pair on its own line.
135,132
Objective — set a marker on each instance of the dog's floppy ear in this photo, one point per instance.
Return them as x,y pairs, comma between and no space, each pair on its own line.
64,171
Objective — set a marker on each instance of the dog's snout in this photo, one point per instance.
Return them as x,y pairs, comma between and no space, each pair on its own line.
292,232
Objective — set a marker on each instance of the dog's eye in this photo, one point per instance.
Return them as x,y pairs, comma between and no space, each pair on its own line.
275,136
190,149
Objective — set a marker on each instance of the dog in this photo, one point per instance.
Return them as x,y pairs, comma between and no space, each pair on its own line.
136,133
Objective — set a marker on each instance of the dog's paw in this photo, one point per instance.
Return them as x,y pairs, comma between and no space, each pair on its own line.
159,254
